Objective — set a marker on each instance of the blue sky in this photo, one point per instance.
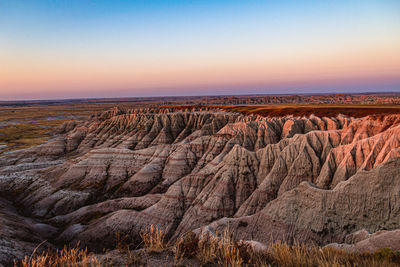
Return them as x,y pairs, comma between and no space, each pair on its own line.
57,49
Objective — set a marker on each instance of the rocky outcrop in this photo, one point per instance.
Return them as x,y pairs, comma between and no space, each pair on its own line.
20,235
311,214
371,242
313,179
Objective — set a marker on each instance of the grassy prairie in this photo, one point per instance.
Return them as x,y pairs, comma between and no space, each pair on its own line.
24,126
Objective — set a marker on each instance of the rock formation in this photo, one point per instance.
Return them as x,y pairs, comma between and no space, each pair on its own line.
310,179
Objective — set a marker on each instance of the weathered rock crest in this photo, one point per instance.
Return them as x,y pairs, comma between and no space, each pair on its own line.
311,179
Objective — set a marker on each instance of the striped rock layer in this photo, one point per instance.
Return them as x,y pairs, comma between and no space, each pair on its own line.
309,179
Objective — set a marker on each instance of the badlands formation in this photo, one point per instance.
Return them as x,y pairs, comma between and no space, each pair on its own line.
320,180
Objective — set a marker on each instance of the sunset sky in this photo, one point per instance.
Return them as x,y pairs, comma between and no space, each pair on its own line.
72,49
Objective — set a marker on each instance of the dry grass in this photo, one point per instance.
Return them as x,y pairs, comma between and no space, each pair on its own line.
220,250
67,257
186,245
154,239
284,255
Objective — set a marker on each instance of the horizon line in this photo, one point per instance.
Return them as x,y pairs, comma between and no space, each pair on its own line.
200,95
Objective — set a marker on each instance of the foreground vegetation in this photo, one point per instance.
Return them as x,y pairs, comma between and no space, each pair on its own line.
65,257
208,250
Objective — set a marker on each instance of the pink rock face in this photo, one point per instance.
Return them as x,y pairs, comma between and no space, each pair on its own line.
311,179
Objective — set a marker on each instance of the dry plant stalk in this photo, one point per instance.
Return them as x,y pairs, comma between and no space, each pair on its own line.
154,239
221,250
72,257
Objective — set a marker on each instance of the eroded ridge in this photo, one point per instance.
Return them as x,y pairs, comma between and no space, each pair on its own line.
313,179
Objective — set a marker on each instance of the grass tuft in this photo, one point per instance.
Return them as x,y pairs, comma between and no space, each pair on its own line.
153,239
71,257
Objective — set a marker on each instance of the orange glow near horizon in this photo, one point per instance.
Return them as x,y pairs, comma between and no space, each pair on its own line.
258,48
45,76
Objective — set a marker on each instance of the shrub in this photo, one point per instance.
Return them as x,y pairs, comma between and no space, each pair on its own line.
187,245
387,254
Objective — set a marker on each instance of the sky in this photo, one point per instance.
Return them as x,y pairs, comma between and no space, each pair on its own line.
119,48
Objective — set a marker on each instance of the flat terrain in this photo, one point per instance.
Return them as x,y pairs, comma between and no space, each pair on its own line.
356,111
23,126
323,110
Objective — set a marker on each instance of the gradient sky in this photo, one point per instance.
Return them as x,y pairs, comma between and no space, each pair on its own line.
72,49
